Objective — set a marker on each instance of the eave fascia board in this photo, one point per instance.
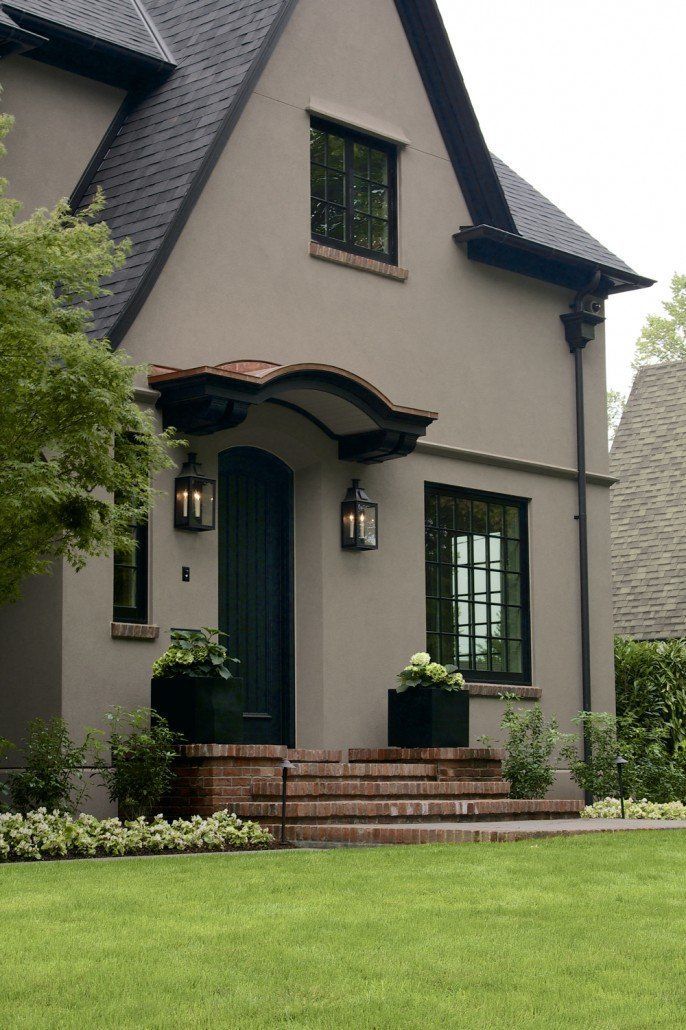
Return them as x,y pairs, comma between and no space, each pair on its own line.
515,253
457,120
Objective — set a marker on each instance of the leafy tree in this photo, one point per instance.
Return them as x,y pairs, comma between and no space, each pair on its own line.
64,398
664,336
615,406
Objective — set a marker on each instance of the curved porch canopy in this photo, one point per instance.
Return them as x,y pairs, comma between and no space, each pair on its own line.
367,426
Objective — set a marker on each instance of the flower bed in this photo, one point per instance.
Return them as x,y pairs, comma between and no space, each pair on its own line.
43,834
609,808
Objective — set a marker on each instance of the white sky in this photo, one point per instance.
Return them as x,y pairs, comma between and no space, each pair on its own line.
586,100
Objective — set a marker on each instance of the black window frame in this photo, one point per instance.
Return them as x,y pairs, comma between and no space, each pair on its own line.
474,675
350,137
138,561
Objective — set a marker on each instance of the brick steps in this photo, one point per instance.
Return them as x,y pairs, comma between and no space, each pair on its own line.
369,796
366,834
316,812
371,788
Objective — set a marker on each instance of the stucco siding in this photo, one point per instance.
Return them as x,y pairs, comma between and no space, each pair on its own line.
60,119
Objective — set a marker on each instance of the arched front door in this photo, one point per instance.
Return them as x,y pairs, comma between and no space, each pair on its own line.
256,586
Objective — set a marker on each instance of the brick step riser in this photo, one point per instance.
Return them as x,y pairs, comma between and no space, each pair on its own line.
379,790
392,771
363,835
405,811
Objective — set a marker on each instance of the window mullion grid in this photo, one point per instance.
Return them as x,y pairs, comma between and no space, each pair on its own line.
348,172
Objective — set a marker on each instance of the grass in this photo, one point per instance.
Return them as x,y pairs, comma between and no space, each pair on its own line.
569,932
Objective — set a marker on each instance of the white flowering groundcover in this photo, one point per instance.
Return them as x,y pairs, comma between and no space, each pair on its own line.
43,834
610,808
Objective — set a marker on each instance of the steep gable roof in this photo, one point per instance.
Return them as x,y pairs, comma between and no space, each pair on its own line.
648,506
159,152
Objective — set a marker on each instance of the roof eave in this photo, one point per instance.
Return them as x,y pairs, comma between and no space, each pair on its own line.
16,40
60,43
514,253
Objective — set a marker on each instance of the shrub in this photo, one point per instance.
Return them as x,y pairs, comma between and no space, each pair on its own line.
141,747
53,834
194,653
5,748
530,744
650,680
652,771
610,808
597,775
53,776
422,672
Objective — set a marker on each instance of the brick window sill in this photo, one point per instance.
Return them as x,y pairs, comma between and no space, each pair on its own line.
496,689
362,264
134,631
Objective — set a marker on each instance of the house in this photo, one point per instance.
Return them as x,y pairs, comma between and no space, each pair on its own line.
332,279
648,507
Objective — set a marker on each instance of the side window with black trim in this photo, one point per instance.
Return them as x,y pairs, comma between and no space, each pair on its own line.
353,192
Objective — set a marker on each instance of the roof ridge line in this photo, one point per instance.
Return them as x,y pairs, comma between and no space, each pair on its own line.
153,30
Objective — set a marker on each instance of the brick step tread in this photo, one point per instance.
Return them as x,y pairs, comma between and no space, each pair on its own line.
440,833
386,771
305,754
345,811
388,789
425,754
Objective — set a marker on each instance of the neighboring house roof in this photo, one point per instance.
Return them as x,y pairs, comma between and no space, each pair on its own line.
123,23
648,506
159,152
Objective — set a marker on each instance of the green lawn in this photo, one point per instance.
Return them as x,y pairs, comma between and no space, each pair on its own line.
580,932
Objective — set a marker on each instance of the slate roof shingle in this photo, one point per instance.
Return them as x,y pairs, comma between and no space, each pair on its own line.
125,23
149,168
648,506
538,219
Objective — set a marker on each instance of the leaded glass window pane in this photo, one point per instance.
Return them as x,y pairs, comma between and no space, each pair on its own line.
477,585
353,191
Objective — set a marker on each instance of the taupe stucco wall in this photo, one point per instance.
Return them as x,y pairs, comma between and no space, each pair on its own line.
30,671
60,119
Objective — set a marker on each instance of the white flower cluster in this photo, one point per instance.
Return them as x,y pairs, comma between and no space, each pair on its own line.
609,808
423,672
54,834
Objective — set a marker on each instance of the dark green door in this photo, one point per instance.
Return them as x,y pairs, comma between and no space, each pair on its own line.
256,586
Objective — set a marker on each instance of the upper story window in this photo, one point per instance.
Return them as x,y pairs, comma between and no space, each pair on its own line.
353,190
477,583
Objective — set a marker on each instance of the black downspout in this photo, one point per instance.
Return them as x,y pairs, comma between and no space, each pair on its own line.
580,326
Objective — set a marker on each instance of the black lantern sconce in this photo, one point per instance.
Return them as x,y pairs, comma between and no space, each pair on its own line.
359,520
194,498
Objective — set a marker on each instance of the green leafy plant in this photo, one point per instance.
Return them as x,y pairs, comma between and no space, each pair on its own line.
422,672
194,653
597,775
141,748
65,397
5,748
610,808
530,744
43,834
54,773
650,682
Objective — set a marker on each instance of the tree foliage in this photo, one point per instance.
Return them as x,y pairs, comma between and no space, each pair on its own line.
64,398
663,337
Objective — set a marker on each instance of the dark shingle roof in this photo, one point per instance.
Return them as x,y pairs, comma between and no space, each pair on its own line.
538,219
124,23
648,506
153,162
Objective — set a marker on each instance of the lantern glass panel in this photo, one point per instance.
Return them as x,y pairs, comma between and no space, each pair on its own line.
206,491
366,526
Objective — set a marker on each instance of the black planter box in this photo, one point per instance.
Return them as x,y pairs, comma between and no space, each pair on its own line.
206,710
428,717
